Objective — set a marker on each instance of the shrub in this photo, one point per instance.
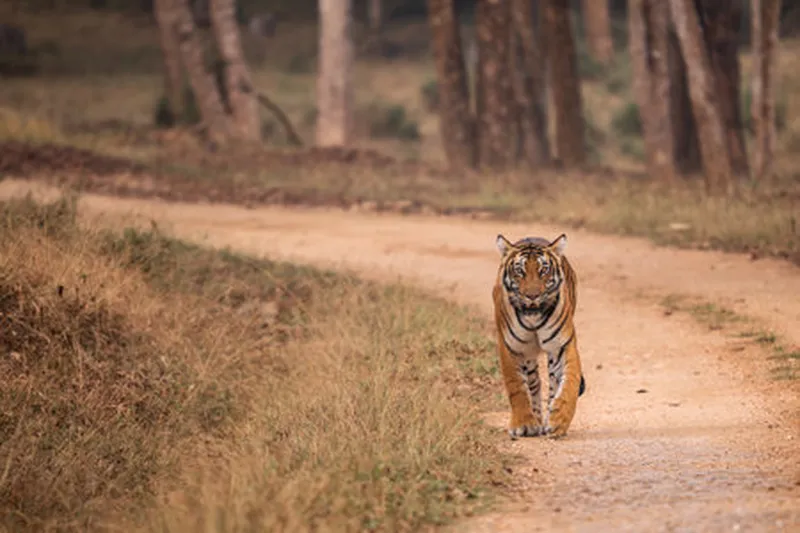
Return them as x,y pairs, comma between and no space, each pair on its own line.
626,122
430,95
392,121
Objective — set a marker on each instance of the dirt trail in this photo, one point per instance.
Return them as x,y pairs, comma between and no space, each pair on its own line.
712,445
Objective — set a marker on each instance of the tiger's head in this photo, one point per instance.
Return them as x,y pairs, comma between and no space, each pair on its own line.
531,271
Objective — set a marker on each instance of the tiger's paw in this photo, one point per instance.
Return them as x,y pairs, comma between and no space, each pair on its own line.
527,430
557,432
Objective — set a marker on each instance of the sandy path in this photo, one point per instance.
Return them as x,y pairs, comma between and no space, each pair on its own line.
712,445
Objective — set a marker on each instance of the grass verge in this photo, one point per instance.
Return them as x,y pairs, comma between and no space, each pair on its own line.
785,358
150,384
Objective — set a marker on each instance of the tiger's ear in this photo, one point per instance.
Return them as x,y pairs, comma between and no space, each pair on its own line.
559,245
503,245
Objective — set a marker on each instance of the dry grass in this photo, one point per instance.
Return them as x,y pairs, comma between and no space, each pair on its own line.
153,385
104,100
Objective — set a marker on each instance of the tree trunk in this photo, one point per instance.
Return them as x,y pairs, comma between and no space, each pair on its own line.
375,16
647,22
565,86
495,122
204,86
685,143
170,48
334,79
241,92
528,76
455,120
766,17
702,89
721,23
597,25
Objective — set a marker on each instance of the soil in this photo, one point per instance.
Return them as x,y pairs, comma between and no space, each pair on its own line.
682,428
89,171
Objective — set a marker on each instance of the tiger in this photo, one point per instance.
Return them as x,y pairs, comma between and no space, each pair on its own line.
534,304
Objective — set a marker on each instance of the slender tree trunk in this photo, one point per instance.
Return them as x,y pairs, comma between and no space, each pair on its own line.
204,86
766,17
721,23
455,119
685,143
495,121
648,21
565,86
170,48
375,16
334,79
241,92
528,75
597,24
711,129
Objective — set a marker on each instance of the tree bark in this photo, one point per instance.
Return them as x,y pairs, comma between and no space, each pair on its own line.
204,86
597,25
495,123
565,86
528,76
456,122
375,16
170,48
241,92
721,23
711,129
334,79
685,143
647,23
766,18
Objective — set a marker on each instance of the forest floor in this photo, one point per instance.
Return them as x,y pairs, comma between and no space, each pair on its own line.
691,419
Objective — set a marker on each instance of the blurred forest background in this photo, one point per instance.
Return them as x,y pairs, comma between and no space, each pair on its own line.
676,120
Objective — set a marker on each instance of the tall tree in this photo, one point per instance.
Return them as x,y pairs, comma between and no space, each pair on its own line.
565,85
648,40
529,83
721,23
242,95
215,119
765,21
170,49
597,25
713,144
455,119
495,121
334,79
375,16
685,144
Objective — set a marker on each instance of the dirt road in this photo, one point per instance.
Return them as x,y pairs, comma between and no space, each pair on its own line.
681,428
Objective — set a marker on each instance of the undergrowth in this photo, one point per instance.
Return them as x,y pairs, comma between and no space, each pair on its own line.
150,384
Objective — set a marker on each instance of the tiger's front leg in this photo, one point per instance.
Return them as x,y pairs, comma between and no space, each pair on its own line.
564,368
529,370
526,415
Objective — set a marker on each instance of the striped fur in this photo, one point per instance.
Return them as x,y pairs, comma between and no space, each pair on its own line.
534,304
